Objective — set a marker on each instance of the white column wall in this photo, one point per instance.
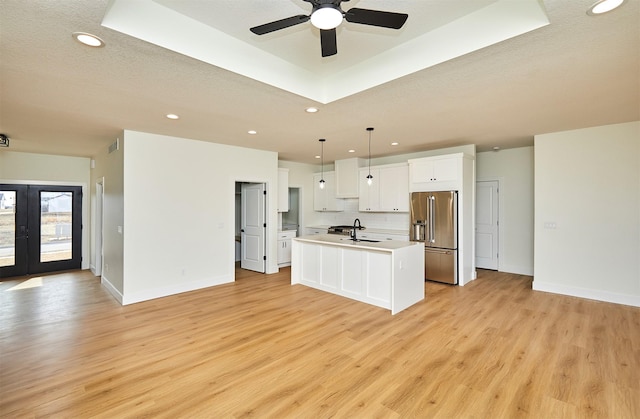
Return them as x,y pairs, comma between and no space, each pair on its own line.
587,213
179,212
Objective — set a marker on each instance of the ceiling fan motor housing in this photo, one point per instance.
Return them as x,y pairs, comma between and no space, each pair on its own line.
327,15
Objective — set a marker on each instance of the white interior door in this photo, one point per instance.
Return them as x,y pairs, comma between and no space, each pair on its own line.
487,224
252,227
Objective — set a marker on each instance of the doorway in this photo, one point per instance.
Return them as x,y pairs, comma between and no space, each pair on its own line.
99,219
40,229
251,226
291,219
487,211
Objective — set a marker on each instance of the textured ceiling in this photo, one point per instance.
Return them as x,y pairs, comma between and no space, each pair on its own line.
60,97
290,58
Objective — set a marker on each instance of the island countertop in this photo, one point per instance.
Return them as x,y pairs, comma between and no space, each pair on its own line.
346,241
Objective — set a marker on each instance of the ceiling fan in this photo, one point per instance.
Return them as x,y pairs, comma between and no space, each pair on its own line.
327,15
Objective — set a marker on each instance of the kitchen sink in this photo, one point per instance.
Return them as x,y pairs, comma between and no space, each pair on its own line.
360,240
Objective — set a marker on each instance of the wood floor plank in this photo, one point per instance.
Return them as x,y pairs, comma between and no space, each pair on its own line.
260,347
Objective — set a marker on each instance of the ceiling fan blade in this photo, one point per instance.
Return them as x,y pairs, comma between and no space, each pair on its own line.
279,24
328,42
376,18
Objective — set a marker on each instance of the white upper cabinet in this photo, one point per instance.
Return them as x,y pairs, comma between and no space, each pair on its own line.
283,190
347,177
389,191
394,188
369,197
325,199
436,173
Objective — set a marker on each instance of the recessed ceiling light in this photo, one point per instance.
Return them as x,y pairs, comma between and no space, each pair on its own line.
252,132
352,151
88,39
496,148
394,143
311,110
603,6
172,116
317,157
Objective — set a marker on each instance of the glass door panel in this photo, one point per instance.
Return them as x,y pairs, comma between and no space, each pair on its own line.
7,228
55,226
14,231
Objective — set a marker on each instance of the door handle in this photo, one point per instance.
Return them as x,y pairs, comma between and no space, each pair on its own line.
242,230
440,252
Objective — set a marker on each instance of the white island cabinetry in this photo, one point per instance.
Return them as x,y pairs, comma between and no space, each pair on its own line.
387,274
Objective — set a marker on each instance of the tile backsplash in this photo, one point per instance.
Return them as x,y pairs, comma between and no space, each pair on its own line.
382,220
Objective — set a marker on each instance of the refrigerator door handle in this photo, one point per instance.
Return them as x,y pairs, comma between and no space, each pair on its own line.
432,226
440,252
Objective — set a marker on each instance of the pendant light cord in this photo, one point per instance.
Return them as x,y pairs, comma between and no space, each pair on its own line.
369,177
370,152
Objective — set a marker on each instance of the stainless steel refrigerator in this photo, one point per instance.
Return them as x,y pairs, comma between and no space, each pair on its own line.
434,221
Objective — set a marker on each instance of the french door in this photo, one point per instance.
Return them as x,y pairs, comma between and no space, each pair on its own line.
40,229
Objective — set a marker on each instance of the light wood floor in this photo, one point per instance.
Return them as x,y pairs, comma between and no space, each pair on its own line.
262,348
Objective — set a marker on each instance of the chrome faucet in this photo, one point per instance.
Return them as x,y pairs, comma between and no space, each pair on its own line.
355,228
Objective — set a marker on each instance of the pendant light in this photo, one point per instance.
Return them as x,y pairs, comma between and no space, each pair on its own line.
369,177
322,140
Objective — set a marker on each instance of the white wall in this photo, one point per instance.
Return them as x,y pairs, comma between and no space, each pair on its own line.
109,168
179,212
513,168
45,169
587,184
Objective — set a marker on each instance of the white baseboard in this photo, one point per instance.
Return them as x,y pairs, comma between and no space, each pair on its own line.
112,290
591,294
514,269
178,288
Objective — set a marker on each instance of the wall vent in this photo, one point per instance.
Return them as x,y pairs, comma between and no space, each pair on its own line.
115,146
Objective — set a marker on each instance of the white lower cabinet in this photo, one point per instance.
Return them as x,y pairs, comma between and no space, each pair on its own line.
284,247
313,230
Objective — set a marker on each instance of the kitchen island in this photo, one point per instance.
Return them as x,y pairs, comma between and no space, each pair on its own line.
387,274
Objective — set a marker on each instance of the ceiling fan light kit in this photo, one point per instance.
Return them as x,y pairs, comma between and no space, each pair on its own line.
327,15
